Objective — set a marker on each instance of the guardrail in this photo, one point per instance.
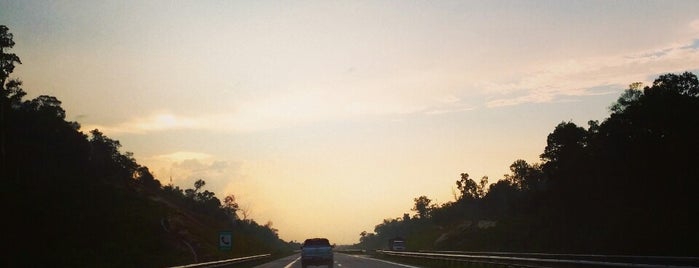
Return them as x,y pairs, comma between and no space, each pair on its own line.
351,251
540,260
224,262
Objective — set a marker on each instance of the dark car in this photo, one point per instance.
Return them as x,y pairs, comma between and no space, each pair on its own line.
316,251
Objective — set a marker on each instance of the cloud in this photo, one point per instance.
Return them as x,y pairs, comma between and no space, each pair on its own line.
289,110
181,156
222,176
184,168
579,77
404,92
159,121
451,109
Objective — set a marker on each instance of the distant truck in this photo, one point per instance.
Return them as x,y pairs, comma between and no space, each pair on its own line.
396,244
316,251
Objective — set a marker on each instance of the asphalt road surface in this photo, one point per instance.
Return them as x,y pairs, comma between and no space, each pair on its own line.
341,261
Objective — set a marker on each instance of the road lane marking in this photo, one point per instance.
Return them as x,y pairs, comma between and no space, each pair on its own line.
393,263
292,263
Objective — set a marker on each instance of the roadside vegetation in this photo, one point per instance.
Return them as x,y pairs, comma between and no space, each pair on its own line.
76,199
626,185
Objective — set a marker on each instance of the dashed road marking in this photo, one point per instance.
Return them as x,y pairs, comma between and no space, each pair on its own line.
292,263
394,263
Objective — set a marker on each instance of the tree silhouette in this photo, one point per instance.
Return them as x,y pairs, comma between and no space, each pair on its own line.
482,187
95,205
230,206
422,207
145,177
7,60
625,185
10,93
467,187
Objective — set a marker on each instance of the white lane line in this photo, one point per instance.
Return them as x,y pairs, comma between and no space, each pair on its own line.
292,263
394,263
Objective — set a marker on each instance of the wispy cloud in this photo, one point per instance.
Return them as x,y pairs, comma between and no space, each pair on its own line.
579,77
159,121
432,92
182,156
284,111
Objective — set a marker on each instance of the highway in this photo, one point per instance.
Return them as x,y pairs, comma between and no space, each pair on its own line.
341,260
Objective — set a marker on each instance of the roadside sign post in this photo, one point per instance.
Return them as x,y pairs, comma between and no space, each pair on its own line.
225,240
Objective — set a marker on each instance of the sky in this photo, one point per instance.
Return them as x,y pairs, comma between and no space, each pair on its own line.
326,117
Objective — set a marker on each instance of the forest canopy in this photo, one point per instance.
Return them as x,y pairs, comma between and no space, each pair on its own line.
75,199
623,186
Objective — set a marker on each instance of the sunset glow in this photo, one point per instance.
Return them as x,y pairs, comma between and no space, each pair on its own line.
355,107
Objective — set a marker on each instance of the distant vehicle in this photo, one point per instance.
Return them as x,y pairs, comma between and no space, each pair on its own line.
396,244
316,251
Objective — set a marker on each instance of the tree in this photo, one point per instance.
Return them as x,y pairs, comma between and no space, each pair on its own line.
567,139
422,207
626,184
645,161
685,84
499,201
10,93
199,184
246,212
467,187
192,193
481,187
230,206
269,225
7,60
109,163
525,176
47,105
81,184
519,171
146,178
630,96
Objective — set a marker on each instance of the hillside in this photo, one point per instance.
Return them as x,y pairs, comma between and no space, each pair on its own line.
75,199
622,186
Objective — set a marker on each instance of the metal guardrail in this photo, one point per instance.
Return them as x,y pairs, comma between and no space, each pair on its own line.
540,260
224,262
663,260
351,251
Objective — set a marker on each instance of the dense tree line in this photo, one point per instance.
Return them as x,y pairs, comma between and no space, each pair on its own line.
626,185
75,199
